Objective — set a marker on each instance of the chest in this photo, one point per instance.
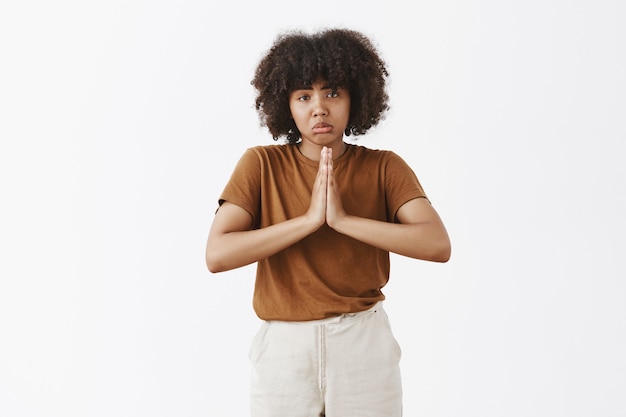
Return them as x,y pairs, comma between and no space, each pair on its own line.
286,192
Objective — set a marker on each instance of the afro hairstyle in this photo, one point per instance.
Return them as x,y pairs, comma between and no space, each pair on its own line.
343,58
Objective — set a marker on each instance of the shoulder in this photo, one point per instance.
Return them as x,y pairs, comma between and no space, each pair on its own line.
272,151
371,155
386,162
266,155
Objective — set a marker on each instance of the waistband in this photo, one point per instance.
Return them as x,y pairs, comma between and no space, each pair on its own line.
342,318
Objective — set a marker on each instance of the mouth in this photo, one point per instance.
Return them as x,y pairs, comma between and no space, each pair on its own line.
322,128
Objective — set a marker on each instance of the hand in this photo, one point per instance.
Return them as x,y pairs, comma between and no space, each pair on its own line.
334,208
317,209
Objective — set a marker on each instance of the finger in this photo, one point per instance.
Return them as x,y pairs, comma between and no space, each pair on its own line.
330,161
330,178
322,164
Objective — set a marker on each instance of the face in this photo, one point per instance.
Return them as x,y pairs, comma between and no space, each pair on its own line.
321,114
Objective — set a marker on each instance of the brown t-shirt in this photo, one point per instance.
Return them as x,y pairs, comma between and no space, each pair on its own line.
326,273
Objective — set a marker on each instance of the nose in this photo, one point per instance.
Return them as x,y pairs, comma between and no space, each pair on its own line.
319,107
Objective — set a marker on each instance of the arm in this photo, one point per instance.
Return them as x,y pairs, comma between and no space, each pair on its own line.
419,234
232,243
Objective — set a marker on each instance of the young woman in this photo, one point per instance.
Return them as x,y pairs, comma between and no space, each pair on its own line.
320,216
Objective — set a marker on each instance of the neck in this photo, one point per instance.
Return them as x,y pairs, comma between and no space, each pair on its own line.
313,151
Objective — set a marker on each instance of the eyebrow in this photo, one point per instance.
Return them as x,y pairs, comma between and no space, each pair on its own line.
310,87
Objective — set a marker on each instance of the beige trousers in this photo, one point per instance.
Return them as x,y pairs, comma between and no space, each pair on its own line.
344,366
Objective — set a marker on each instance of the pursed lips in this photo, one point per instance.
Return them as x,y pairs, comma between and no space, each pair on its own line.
322,127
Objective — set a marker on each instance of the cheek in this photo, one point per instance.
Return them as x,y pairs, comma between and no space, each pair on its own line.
295,111
298,118
346,111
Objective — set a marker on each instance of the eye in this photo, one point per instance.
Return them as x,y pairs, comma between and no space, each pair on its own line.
333,94
304,97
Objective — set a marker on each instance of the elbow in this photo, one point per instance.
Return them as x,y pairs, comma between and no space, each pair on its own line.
442,256
440,252
213,268
432,254
213,262
443,249
220,260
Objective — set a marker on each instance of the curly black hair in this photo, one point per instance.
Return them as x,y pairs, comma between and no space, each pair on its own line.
342,57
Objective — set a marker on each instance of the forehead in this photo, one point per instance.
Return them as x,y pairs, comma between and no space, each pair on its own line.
315,85
320,84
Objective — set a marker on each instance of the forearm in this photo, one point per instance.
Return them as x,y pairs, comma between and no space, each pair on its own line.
424,240
231,250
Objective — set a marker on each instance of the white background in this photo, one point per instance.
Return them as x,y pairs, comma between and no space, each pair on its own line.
121,121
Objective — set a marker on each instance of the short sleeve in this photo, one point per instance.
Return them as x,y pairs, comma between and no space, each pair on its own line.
244,186
401,184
